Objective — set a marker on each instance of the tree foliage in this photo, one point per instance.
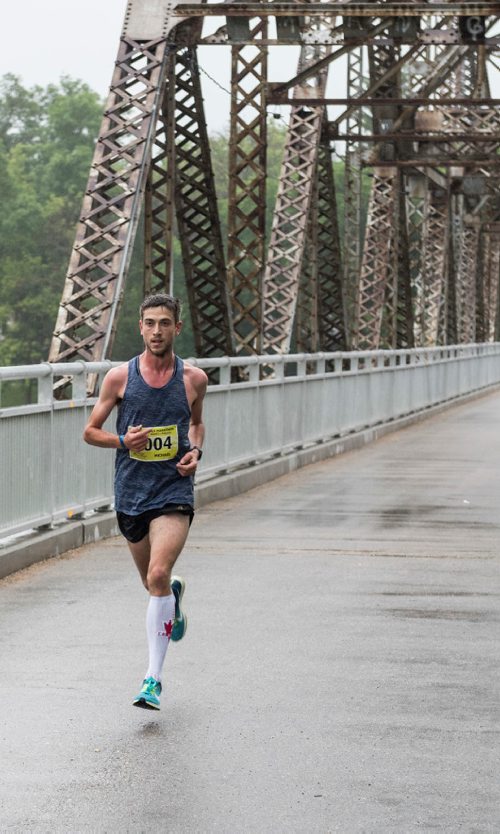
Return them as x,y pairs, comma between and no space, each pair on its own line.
47,137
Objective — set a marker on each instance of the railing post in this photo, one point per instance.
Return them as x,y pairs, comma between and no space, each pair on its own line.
470,367
45,395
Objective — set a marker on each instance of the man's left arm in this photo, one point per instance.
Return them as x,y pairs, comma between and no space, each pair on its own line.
196,425
188,463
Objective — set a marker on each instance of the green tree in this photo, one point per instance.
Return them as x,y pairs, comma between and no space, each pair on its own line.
127,341
46,144
47,137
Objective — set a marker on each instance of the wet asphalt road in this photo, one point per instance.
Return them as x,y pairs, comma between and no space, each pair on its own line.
340,671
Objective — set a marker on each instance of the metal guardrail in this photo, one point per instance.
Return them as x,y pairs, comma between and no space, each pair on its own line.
279,404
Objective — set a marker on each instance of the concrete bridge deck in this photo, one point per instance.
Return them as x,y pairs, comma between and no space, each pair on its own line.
340,671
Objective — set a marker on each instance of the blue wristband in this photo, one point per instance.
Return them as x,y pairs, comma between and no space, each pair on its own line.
122,441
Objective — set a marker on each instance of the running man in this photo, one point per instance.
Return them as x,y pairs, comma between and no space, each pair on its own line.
159,439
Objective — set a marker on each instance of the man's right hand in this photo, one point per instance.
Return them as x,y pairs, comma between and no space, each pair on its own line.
136,438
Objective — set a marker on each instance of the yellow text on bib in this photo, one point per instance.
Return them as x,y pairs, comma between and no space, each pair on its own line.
163,444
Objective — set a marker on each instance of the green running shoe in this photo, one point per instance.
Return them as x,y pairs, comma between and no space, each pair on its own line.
149,696
180,620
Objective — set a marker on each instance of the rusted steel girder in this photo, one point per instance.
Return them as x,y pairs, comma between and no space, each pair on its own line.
357,83
364,101
382,292
433,325
247,190
416,207
288,235
330,275
320,316
293,201
466,299
306,315
415,277
145,102
113,201
376,257
159,214
453,312
197,216
490,274
94,283
404,326
404,8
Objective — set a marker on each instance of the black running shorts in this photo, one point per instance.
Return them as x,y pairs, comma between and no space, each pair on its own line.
136,527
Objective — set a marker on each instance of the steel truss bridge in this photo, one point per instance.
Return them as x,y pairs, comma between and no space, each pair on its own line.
417,264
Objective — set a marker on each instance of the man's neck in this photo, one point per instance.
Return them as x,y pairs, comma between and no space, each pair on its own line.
157,364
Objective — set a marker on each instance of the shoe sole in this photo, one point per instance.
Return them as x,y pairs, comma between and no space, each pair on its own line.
176,639
144,704
178,602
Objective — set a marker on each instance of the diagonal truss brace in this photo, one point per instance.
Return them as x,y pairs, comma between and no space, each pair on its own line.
108,222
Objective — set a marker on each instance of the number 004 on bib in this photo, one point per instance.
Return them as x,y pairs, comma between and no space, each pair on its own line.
163,444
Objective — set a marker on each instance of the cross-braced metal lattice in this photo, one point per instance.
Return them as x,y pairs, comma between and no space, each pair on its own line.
434,269
197,215
417,131
95,280
332,331
376,258
306,315
357,84
488,288
247,190
293,201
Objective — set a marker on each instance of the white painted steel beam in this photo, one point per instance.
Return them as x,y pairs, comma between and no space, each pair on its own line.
324,396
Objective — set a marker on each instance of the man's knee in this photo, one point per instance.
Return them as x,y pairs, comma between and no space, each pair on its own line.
158,579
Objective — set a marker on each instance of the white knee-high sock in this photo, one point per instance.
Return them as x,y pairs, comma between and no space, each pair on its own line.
159,622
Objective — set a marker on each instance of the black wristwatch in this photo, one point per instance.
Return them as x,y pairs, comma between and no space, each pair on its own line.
200,451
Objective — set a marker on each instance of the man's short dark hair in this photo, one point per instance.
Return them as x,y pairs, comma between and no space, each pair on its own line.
162,299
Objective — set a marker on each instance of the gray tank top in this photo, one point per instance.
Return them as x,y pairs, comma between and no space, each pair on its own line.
149,480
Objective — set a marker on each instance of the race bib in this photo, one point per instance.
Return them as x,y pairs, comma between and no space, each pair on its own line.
163,444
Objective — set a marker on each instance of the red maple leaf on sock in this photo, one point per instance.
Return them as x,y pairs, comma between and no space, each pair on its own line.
168,628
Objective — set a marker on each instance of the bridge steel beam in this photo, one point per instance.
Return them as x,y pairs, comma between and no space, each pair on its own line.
434,267
488,286
417,260
112,203
357,82
138,114
197,215
290,221
332,327
306,316
247,189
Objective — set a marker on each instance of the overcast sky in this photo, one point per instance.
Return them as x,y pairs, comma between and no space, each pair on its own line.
45,39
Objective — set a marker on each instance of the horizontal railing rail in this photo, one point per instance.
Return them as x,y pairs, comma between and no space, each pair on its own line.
256,408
